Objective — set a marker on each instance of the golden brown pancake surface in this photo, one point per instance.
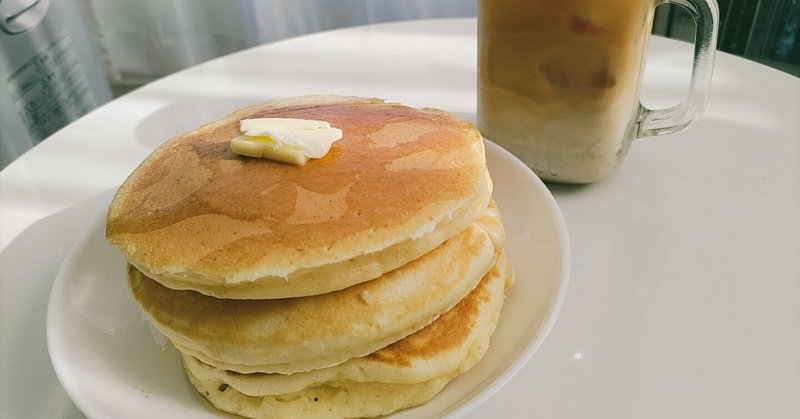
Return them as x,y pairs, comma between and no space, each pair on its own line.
195,213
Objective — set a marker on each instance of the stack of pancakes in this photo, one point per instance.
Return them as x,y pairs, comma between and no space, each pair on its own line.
355,285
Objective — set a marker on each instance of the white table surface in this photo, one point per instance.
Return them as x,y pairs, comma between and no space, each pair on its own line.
684,299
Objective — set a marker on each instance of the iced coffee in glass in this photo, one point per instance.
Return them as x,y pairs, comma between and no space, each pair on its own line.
558,81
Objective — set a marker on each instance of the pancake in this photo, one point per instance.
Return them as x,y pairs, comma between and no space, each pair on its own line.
337,400
445,347
300,334
194,215
405,374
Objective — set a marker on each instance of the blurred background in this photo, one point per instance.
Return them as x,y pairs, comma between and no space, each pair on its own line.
59,59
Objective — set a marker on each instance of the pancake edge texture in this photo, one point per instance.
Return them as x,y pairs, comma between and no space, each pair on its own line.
446,347
301,334
355,388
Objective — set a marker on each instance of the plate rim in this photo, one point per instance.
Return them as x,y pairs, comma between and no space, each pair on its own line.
553,312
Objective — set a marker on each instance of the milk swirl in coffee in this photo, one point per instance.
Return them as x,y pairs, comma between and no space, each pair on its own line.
558,81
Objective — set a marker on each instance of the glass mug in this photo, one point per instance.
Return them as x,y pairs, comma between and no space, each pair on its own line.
558,80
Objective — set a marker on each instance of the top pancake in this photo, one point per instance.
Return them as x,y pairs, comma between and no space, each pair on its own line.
195,215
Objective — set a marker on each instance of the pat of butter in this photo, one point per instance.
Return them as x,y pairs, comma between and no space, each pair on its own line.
285,139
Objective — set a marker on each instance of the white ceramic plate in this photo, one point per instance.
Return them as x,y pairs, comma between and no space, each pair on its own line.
113,364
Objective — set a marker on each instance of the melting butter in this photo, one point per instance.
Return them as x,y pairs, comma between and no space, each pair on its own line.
288,140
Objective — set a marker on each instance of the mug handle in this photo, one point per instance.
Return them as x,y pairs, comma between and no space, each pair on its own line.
676,118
